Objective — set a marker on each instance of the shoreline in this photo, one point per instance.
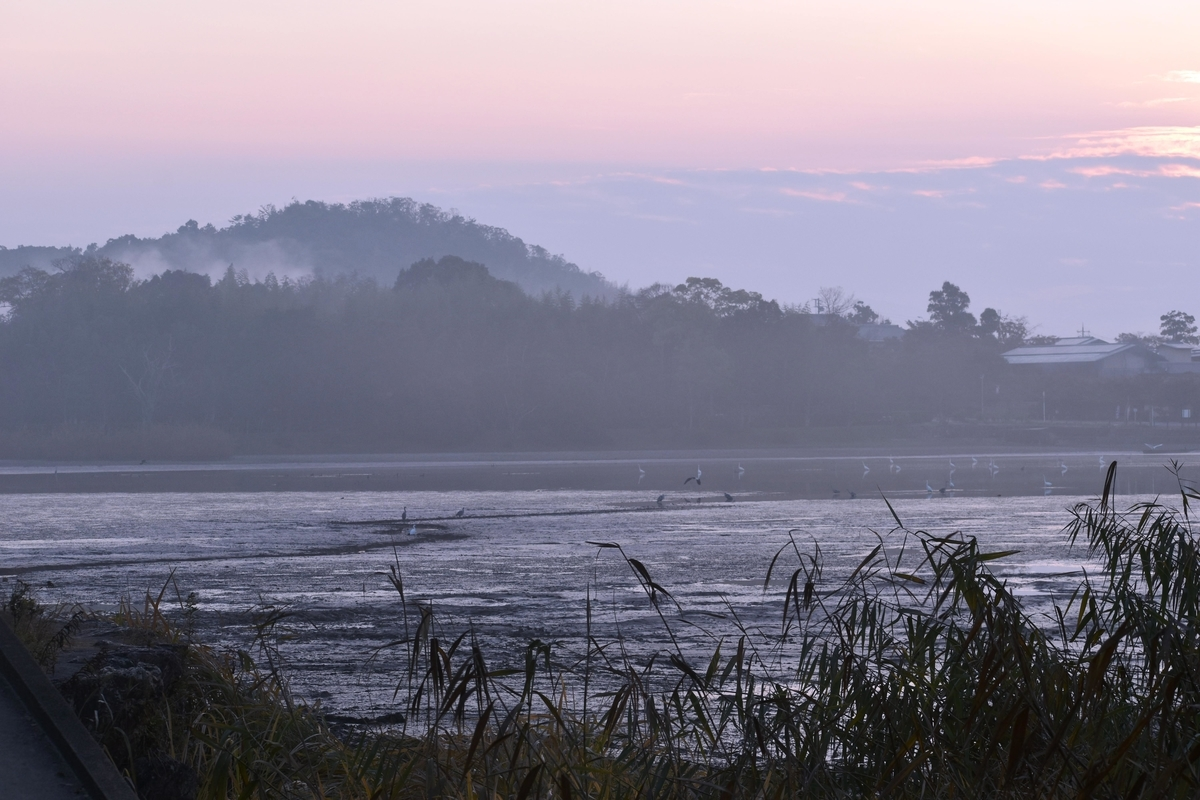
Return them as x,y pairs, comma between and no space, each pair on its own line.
774,473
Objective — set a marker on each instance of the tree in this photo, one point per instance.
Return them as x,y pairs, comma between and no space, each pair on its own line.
834,300
948,309
1008,331
1179,327
1144,339
862,314
989,322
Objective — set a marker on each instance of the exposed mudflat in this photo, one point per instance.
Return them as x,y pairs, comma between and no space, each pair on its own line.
517,565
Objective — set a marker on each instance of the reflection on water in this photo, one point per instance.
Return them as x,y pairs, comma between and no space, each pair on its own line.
514,567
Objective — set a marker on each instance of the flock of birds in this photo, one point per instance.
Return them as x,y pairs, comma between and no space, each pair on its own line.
992,467
947,487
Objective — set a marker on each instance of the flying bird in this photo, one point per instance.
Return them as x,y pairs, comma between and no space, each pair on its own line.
1062,467
952,467
928,488
641,473
866,469
740,471
1154,446
1046,484
689,479
974,461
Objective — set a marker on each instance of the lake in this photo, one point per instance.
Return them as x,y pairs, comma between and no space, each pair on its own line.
518,564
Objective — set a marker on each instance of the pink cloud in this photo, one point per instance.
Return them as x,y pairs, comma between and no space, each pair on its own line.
1178,171
1016,179
1158,101
1164,171
1183,76
819,194
1101,171
935,193
1052,184
1176,141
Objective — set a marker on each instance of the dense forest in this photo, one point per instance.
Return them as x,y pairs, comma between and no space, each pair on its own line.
367,238
449,356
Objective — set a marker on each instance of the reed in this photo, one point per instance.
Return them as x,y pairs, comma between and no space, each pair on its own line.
919,674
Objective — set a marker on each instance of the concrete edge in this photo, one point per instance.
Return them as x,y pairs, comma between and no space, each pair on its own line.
57,719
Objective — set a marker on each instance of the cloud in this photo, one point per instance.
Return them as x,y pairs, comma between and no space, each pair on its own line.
1167,141
1016,179
1178,171
674,220
819,194
1183,76
769,212
1185,207
1052,184
1158,101
934,193
1164,171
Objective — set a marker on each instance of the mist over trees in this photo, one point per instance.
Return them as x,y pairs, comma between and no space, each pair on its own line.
368,238
449,356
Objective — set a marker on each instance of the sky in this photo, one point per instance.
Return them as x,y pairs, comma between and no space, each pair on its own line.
1043,155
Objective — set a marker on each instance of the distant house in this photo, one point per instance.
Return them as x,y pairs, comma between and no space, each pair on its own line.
874,332
1086,354
1178,358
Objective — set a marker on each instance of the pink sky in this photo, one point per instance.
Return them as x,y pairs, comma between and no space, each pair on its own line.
1045,155
846,85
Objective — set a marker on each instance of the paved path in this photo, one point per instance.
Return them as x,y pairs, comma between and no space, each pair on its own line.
30,764
45,752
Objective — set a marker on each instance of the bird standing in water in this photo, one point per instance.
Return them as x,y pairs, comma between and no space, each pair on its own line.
461,511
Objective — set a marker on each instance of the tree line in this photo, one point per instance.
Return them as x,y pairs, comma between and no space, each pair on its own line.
451,357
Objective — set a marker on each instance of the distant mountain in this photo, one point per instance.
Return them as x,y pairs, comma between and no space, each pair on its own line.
374,238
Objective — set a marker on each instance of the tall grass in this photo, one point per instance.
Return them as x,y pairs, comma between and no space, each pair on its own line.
919,674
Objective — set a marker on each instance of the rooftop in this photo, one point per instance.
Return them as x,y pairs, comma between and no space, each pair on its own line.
1078,350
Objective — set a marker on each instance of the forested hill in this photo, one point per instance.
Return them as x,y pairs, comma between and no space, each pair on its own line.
96,364
370,238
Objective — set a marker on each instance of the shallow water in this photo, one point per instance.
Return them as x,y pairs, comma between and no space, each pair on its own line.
515,567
